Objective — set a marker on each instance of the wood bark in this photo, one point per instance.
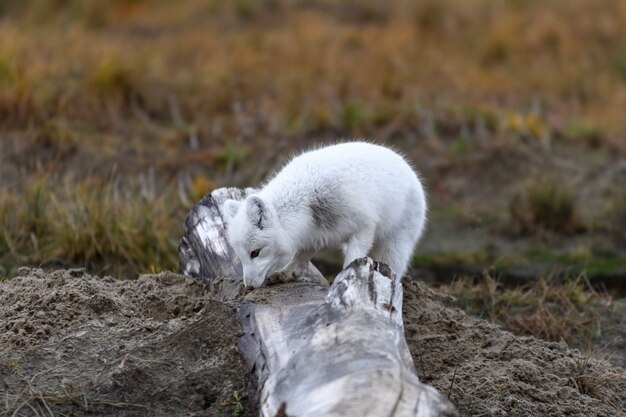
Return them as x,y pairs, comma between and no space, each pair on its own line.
314,351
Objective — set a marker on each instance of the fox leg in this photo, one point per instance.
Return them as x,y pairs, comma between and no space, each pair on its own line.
299,262
358,246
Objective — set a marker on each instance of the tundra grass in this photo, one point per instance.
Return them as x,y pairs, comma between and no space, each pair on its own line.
549,307
102,226
535,71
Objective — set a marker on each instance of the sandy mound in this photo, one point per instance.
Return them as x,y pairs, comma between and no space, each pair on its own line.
79,345
75,344
486,371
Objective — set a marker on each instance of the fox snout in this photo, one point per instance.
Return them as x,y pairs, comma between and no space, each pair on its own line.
253,282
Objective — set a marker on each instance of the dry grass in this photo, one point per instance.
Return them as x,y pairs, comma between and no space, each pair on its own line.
351,66
551,308
104,226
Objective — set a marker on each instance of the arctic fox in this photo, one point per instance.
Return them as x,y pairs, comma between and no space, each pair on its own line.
362,197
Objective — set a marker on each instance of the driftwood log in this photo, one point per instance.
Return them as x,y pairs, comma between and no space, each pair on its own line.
314,351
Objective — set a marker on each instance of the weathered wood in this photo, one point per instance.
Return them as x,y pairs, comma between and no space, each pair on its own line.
204,252
315,351
335,353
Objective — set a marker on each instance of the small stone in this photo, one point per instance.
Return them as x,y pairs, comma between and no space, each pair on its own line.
23,271
76,272
38,272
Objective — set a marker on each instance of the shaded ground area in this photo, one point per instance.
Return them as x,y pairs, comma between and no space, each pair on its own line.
74,344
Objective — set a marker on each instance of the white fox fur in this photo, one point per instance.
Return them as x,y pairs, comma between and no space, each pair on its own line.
362,197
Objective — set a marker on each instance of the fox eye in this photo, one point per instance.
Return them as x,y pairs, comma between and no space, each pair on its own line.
255,253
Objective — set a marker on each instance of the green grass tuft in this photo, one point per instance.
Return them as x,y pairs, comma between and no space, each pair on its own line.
584,130
352,115
113,78
619,64
615,219
545,205
235,404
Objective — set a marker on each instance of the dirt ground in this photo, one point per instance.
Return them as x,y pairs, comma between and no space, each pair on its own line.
73,344
487,371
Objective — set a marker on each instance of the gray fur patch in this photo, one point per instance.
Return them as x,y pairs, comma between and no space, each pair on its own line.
324,215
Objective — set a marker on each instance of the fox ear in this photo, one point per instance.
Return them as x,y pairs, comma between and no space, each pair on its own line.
257,211
231,207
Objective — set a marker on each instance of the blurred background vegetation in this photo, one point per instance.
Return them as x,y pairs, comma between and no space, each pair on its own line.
117,116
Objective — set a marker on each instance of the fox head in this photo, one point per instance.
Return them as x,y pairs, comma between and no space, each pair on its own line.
257,238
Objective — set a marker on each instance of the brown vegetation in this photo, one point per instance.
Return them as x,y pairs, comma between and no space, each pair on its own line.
185,96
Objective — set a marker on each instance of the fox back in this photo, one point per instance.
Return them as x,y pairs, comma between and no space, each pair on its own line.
359,196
